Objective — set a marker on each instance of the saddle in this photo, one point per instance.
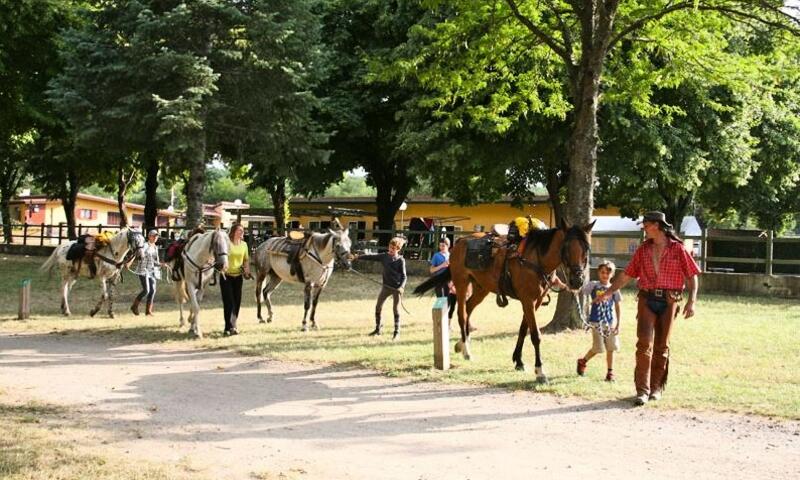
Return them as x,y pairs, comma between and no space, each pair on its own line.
173,254
294,246
81,251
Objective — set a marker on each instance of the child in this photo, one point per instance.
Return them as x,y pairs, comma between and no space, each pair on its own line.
394,282
603,312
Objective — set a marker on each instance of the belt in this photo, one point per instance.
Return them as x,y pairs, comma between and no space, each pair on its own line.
661,292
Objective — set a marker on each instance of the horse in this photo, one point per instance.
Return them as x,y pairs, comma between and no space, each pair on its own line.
109,260
316,257
529,270
203,255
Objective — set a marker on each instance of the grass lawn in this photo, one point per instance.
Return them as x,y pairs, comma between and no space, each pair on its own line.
37,444
736,355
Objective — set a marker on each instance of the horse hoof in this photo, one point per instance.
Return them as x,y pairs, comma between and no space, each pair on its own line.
467,357
261,320
111,315
542,380
304,329
93,312
315,327
520,367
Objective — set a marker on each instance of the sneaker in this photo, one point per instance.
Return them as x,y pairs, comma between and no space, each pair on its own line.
226,333
581,367
640,400
375,332
610,377
233,331
656,395
395,334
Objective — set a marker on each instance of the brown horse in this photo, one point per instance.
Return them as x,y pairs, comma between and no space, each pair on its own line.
543,252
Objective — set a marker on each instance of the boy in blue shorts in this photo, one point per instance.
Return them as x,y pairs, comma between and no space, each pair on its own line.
609,312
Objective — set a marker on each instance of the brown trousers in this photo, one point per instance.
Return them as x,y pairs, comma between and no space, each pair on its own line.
652,346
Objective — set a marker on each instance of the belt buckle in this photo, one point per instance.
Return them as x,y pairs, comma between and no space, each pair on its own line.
658,292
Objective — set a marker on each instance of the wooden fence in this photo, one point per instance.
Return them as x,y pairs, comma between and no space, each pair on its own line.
423,244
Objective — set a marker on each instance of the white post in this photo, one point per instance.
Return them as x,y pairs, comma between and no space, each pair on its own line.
441,335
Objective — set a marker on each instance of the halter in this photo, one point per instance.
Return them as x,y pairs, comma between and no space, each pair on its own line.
133,249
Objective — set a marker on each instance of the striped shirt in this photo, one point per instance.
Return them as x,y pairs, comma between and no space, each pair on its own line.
148,261
674,267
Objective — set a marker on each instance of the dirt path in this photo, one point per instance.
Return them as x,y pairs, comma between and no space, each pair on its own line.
235,417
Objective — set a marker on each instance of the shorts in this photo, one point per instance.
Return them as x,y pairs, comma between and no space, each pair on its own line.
600,344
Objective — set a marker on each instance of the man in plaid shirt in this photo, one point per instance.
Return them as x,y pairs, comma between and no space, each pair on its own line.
661,264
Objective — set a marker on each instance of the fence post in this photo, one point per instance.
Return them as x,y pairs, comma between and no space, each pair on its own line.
770,244
41,235
24,299
25,233
704,249
80,228
60,235
441,334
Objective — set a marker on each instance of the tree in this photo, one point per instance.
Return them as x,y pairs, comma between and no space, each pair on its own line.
572,45
28,59
361,112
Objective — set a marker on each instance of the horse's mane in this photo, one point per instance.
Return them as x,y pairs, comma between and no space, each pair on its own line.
542,239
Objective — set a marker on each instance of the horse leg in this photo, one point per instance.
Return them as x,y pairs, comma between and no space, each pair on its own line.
517,356
112,285
66,286
272,284
478,294
194,312
314,299
306,305
260,278
103,296
530,315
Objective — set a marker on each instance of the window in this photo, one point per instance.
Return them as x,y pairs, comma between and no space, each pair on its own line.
319,226
137,219
87,214
294,225
359,227
113,218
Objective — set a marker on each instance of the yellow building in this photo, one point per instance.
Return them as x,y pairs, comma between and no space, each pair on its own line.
359,212
90,211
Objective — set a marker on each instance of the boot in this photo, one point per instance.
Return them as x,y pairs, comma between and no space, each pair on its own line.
377,330
135,305
149,309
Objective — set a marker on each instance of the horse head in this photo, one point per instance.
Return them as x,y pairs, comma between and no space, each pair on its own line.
341,247
220,247
135,242
575,253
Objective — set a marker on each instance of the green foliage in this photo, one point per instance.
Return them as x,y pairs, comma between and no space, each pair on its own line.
350,186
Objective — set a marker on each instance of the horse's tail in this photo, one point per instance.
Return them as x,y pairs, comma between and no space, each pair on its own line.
437,280
50,263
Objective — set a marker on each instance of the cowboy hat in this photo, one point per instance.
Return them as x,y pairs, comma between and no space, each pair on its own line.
657,217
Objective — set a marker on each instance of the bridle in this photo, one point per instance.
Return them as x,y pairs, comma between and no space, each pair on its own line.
133,250
214,248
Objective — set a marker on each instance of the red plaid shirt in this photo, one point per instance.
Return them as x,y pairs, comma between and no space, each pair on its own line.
676,265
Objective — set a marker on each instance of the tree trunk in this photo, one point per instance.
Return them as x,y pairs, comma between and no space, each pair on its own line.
196,186
5,211
9,184
582,170
69,200
387,205
277,193
122,190
150,191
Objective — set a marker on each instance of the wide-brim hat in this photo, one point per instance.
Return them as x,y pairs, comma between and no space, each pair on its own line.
152,232
656,216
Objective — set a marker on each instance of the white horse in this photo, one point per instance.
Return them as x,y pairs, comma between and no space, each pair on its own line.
316,256
109,260
203,254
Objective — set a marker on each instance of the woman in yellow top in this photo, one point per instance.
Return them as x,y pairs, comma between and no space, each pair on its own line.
230,285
